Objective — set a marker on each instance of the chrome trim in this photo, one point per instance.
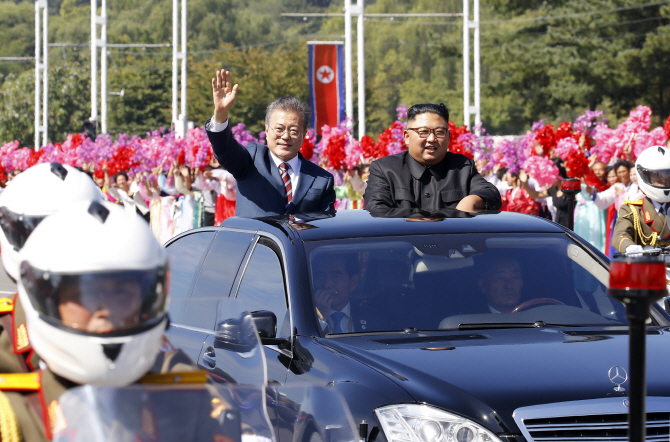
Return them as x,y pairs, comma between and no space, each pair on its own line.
589,408
191,232
194,329
247,255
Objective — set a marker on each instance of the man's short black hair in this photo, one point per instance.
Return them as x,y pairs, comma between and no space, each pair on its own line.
123,174
501,173
418,109
623,163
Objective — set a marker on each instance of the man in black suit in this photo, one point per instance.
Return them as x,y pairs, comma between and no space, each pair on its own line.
427,176
274,179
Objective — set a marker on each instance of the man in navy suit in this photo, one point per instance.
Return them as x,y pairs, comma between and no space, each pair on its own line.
274,179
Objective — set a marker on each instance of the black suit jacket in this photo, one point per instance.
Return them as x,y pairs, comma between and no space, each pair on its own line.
260,189
394,183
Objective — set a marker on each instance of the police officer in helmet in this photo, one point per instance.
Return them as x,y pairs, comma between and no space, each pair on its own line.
644,222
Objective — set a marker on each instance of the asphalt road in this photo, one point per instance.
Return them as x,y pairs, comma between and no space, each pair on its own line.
7,286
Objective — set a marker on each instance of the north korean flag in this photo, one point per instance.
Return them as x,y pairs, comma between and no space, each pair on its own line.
326,83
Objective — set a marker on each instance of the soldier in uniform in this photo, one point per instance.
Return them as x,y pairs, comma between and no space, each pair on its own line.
644,222
94,285
25,202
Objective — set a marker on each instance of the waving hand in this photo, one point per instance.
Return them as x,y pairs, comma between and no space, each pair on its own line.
224,94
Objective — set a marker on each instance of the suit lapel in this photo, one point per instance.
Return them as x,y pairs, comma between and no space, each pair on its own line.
304,183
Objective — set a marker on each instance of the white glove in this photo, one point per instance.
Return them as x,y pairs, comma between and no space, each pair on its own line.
634,250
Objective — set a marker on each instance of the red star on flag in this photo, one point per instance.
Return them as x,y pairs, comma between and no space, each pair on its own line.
325,74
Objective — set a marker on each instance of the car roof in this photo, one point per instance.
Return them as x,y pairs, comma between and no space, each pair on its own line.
361,223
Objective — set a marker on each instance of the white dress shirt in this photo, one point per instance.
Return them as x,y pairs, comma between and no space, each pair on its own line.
293,163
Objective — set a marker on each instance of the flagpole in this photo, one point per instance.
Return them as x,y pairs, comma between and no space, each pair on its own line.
466,63
348,68
360,53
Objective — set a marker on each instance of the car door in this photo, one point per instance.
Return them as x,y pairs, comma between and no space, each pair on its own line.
225,258
263,287
185,254
212,281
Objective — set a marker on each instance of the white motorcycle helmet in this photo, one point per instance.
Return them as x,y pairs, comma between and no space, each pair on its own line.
653,173
33,195
94,285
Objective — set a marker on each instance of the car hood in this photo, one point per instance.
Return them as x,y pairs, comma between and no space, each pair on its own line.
477,372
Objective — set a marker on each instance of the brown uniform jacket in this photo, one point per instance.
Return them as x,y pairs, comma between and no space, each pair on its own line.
16,354
639,223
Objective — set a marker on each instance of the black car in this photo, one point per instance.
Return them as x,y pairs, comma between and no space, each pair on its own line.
458,327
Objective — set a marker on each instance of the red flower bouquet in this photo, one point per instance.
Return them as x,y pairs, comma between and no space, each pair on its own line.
576,164
547,139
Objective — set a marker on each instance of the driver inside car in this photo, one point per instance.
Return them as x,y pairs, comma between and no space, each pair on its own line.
502,285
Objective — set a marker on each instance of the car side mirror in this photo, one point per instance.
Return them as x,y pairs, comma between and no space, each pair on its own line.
236,334
266,323
666,303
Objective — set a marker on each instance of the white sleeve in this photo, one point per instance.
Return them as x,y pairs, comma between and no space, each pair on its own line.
213,126
605,199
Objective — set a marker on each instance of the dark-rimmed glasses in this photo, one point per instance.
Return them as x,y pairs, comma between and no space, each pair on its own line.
424,132
292,132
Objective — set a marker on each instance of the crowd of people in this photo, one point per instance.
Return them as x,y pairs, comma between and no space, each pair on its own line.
178,184
595,207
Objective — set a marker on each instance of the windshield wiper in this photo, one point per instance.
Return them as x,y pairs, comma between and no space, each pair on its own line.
491,325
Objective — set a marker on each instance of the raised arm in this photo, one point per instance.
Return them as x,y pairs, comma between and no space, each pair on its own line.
534,194
232,156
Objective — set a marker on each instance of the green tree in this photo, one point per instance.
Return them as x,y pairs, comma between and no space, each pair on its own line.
17,35
69,104
561,59
147,98
262,76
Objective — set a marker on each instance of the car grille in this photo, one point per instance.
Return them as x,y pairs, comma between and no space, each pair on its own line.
597,420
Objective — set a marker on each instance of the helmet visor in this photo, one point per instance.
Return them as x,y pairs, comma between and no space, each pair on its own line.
16,227
98,302
655,178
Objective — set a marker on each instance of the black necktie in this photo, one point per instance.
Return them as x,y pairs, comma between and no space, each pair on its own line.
662,210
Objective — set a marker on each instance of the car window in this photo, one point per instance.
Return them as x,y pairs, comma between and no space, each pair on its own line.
185,255
262,286
458,281
216,278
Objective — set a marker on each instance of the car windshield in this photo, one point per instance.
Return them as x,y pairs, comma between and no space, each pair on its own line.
458,281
